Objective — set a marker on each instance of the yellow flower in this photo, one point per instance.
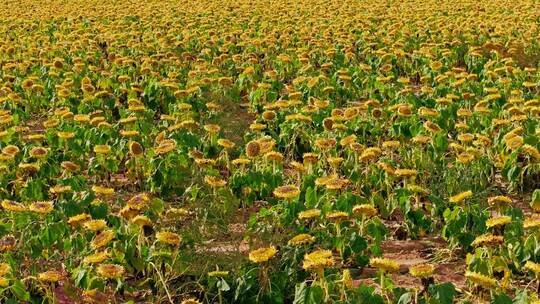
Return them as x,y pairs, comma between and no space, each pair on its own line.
262,254
13,206
253,149
383,264
141,220
78,219
95,225
4,282
481,280
309,214
102,149
499,200
365,210
169,238
110,271
97,257
534,267
461,197
337,216
422,271
41,207
102,239
318,259
225,143
487,240
135,149
405,172
4,269
70,166
286,192
215,181
102,190
498,221
50,276
301,239
531,222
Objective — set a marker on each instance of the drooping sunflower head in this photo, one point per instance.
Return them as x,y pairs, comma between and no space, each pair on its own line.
460,197
301,239
498,221
110,271
481,280
253,149
318,259
422,270
286,192
365,210
309,214
386,265
169,238
50,276
262,255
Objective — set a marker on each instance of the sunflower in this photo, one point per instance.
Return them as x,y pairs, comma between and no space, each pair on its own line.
13,206
102,239
95,225
365,210
422,270
406,172
481,280
97,257
135,149
531,222
4,269
50,276
41,207
102,190
70,166
102,149
498,221
458,198
318,259
383,264
262,255
533,267
110,271
225,143
309,214
141,220
337,216
253,149
488,240
301,239
286,192
169,238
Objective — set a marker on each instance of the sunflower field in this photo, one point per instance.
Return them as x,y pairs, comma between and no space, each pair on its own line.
270,151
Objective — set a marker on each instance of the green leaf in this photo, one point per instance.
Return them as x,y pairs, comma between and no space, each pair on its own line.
444,293
300,293
223,286
19,290
501,299
316,295
406,298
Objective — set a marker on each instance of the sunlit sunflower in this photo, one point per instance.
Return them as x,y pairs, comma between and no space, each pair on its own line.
169,238
110,271
286,192
262,255
318,259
